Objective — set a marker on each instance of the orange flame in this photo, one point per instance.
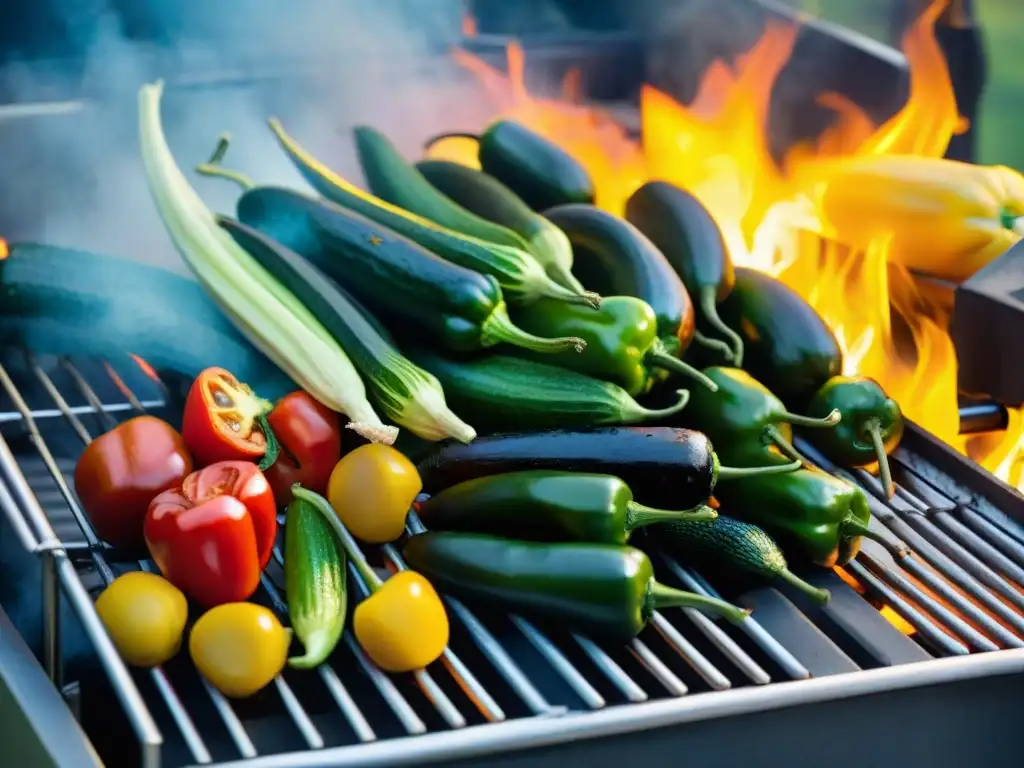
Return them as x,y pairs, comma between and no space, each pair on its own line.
4,250
716,147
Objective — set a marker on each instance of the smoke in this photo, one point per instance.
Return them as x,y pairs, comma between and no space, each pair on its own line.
320,65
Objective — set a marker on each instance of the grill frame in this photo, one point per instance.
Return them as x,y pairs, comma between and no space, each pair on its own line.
952,482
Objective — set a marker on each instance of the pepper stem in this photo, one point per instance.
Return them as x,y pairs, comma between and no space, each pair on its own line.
371,579
709,306
819,596
659,358
807,421
212,167
716,344
874,429
454,135
634,412
738,473
639,515
785,447
551,289
659,596
499,328
850,528
273,448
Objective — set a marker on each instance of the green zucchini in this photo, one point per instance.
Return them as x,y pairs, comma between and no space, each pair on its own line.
403,283
485,196
406,394
521,277
61,301
731,544
314,574
394,179
500,393
539,171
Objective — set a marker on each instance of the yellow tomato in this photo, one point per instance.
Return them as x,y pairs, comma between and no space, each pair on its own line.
145,616
403,625
239,647
371,490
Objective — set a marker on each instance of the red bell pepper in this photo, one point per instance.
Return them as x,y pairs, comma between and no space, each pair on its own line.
310,440
212,536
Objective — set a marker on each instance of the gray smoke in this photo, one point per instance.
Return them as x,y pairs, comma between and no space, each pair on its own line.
320,65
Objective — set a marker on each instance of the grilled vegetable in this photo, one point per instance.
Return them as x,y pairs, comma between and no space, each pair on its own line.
603,589
540,172
266,313
239,648
395,180
731,543
743,416
683,230
393,276
120,472
314,571
224,420
61,301
616,259
789,348
310,445
485,196
497,392
671,468
622,344
145,617
944,218
405,393
371,490
547,505
212,537
521,277
813,515
402,625
871,426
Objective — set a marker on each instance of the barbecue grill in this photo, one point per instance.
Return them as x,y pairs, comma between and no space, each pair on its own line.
916,660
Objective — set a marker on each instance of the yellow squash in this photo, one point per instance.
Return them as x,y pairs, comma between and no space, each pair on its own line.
946,218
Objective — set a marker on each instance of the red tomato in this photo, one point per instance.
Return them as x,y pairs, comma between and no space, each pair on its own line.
310,445
221,421
121,471
212,536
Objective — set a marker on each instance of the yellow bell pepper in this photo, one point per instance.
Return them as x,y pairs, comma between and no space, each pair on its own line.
946,218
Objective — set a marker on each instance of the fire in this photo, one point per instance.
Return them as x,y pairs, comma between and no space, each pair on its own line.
716,147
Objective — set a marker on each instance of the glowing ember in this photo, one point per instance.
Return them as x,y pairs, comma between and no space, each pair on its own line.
716,148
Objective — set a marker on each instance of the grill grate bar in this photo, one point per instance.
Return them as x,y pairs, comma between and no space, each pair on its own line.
693,657
749,625
658,669
994,535
979,547
925,626
626,685
935,611
557,659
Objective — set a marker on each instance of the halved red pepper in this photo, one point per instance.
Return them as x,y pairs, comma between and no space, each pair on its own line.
225,420
212,537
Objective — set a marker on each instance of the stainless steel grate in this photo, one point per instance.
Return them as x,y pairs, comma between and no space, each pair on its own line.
506,682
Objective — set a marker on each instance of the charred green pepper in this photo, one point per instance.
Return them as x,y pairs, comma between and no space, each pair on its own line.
744,415
548,505
621,336
870,429
812,514
604,589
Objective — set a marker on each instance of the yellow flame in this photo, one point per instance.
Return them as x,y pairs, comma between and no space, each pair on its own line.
716,148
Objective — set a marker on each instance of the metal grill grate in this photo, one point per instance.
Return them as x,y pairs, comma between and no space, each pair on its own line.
506,682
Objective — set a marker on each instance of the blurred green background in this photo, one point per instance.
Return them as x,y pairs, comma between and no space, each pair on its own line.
1001,122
